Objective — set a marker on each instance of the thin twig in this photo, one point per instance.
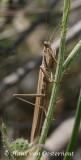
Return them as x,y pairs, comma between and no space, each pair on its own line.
72,55
73,137
57,79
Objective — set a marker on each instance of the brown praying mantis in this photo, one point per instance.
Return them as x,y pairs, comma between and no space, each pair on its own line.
46,73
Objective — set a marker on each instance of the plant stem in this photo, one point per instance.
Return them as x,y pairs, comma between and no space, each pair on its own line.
72,55
6,143
57,79
75,129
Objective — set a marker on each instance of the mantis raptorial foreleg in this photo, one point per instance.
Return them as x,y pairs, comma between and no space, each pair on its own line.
54,55
47,76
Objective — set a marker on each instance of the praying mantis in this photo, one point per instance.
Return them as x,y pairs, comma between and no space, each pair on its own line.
46,73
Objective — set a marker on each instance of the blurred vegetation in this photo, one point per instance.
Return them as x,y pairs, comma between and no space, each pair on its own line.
24,25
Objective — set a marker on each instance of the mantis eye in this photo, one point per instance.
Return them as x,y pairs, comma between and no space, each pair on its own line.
46,44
